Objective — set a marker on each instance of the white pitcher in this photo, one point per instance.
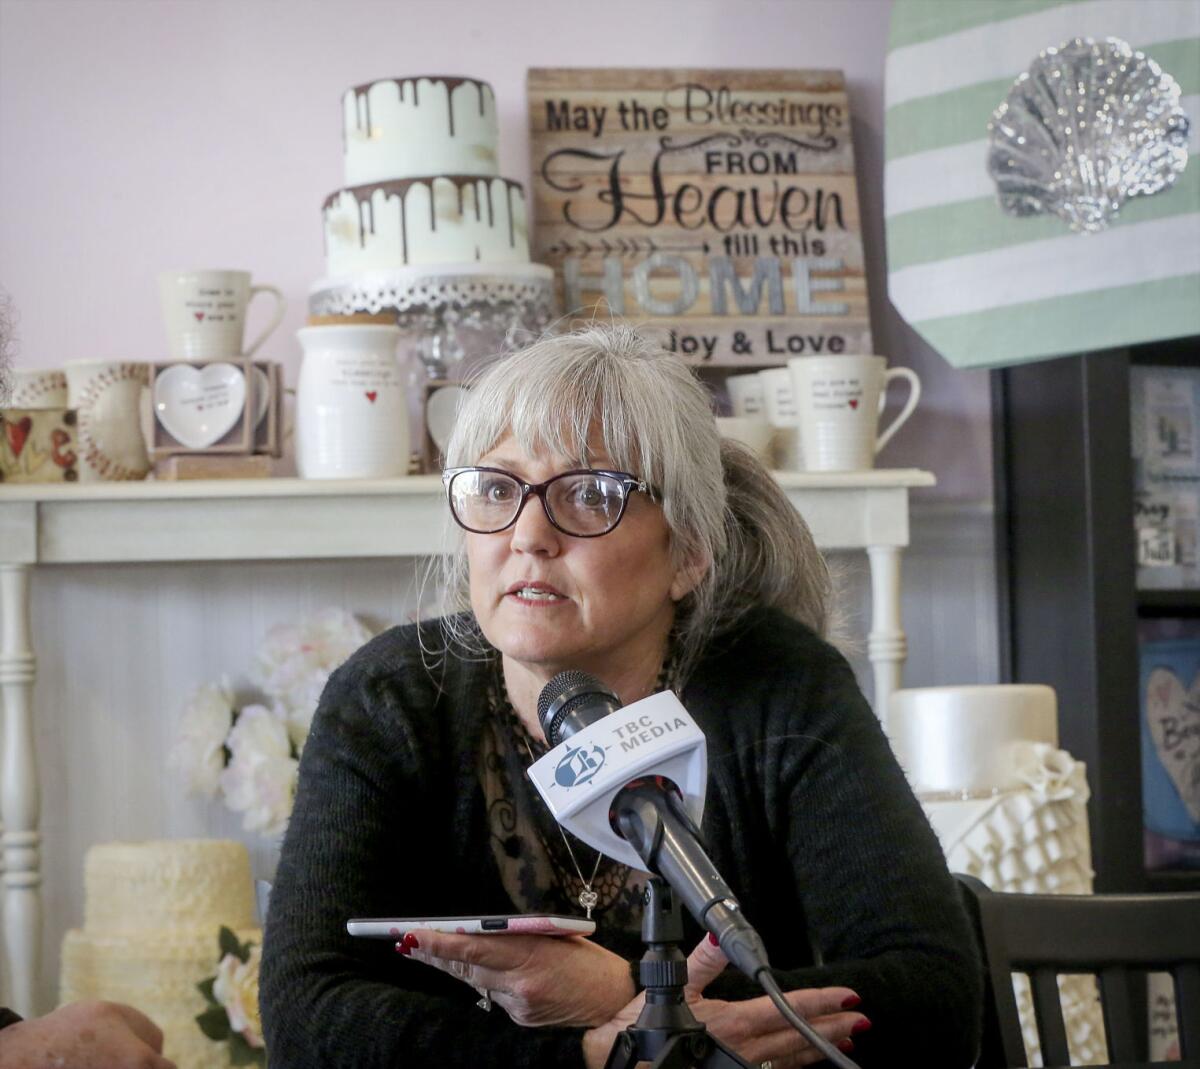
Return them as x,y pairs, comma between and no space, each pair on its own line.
351,410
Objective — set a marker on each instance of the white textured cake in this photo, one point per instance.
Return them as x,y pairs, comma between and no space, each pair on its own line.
422,181
151,917
955,739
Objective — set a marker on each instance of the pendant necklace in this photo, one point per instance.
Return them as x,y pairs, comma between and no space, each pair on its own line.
587,897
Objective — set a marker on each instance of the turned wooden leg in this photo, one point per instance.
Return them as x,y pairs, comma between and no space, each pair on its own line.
19,794
887,645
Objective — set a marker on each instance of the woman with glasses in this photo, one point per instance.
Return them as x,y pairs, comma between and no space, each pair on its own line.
606,528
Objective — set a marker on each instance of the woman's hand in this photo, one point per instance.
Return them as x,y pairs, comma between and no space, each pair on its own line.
754,1029
539,980
84,1035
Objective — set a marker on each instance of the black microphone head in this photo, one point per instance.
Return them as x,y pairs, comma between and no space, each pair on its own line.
570,701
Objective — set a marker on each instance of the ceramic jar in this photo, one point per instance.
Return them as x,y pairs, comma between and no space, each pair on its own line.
351,409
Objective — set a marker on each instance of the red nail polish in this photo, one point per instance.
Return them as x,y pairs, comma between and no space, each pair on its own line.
714,940
861,1026
851,1002
402,948
410,942
845,1045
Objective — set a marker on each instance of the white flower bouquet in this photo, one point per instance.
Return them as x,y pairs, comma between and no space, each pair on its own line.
249,753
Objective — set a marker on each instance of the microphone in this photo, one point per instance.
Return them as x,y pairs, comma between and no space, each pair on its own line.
632,786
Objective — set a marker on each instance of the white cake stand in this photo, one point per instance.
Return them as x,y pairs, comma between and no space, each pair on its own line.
517,294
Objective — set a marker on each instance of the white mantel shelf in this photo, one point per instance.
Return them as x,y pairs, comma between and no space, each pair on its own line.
294,519
287,519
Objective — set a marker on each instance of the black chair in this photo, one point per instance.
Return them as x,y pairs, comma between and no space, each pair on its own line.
1119,938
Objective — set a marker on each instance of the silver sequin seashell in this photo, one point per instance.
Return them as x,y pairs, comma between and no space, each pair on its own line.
1089,125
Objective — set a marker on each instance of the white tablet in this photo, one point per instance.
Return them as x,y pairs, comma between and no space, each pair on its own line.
496,924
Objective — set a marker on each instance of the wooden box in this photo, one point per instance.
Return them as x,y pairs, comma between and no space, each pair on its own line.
219,407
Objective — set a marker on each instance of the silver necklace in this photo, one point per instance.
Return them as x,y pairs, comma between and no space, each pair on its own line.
587,897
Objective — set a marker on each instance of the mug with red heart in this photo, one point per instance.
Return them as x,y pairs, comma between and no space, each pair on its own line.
205,313
839,400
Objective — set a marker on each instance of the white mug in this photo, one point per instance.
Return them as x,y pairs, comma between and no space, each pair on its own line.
351,407
746,396
840,399
107,396
38,387
205,313
753,432
780,404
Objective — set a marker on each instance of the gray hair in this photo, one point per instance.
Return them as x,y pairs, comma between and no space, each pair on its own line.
721,504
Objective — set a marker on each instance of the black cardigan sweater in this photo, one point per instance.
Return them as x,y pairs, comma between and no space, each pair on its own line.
807,816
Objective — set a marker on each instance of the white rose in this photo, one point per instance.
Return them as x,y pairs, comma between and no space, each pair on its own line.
303,707
295,659
199,750
260,781
1052,774
260,732
236,988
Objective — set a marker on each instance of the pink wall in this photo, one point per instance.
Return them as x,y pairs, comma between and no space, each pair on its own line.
142,134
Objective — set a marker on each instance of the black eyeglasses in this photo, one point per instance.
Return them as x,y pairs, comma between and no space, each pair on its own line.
584,503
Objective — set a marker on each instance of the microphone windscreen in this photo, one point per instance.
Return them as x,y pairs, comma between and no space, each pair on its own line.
565,692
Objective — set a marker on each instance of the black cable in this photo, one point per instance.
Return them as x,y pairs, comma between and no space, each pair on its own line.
768,984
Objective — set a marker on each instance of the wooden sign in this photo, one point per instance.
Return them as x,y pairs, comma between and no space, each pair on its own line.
716,208
38,445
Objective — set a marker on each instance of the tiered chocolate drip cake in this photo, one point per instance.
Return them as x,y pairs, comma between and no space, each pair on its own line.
422,182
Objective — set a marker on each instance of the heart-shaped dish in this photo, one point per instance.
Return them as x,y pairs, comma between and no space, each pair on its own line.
441,411
199,406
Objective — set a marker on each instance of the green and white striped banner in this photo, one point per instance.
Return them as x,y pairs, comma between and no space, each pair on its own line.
985,288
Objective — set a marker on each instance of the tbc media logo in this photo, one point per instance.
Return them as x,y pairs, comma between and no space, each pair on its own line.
578,766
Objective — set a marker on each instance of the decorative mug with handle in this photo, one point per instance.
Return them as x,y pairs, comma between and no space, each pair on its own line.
839,400
205,313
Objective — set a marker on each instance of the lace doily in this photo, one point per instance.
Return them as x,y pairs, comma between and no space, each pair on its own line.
519,295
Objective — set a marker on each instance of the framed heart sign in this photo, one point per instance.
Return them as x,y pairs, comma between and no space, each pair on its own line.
38,445
1173,716
1170,737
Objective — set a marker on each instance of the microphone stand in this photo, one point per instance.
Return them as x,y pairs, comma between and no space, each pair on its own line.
666,1033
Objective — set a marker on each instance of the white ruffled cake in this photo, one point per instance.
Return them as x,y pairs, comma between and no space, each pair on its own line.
1009,807
422,181
152,914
